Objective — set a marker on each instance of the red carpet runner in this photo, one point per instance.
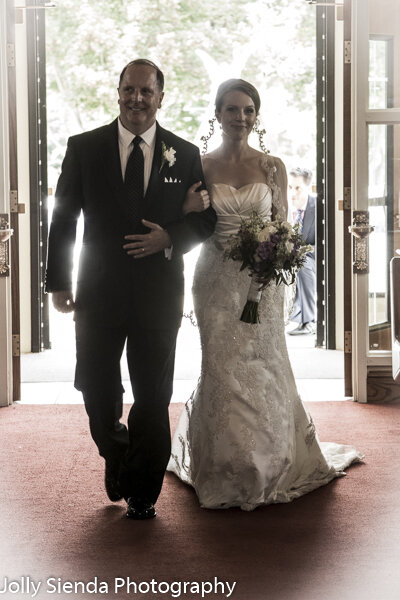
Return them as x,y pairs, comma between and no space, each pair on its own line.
61,536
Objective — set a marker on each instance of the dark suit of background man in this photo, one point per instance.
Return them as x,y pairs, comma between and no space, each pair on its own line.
303,205
130,281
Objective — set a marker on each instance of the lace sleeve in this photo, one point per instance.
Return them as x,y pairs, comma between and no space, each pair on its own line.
277,181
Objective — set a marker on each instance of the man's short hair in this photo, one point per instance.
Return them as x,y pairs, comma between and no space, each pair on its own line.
148,63
306,174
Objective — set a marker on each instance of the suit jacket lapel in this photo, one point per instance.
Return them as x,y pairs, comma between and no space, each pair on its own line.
111,157
155,175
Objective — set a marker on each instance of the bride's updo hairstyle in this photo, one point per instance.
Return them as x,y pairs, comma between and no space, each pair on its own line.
240,85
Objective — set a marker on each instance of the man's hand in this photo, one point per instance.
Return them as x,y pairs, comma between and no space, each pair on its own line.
63,301
145,244
196,201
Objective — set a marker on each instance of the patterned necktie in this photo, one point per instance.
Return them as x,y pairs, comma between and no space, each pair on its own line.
299,219
134,181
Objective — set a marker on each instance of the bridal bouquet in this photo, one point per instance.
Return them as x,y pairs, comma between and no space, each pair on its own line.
273,251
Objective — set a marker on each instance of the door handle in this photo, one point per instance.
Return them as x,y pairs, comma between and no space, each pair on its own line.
5,234
360,230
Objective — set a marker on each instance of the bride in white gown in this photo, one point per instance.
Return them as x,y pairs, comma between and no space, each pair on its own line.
244,438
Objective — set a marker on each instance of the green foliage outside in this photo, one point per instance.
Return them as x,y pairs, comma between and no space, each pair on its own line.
197,44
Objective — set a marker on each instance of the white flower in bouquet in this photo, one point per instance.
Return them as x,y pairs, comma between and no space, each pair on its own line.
305,249
285,225
265,234
289,247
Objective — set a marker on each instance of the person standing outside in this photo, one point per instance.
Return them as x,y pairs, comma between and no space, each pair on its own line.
129,179
303,205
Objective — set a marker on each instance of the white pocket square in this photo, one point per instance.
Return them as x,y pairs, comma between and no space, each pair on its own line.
170,180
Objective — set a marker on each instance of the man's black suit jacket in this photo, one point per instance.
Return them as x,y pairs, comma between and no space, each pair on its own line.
110,283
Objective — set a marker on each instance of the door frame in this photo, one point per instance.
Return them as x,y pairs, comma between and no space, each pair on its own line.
14,208
362,116
6,363
325,177
38,193
347,175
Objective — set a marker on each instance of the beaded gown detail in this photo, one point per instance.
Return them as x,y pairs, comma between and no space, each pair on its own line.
244,437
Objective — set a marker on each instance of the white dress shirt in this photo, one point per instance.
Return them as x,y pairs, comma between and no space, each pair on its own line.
147,145
125,138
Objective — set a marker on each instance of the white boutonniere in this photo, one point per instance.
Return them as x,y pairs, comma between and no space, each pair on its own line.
168,155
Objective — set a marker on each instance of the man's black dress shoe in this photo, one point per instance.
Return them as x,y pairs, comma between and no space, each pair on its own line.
139,509
111,481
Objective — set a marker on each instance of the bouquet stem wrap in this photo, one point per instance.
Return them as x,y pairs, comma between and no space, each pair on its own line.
250,311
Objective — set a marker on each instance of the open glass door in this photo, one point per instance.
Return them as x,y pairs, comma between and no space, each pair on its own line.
375,190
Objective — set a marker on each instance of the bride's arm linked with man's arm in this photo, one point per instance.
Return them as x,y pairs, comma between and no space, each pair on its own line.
196,201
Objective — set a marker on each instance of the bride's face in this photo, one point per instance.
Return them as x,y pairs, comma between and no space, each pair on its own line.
237,116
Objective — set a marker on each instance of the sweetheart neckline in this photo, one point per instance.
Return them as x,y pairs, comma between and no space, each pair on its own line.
242,186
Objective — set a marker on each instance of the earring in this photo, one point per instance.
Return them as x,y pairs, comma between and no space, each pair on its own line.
205,138
260,133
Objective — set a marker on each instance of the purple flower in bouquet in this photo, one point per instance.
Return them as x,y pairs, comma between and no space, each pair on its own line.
265,250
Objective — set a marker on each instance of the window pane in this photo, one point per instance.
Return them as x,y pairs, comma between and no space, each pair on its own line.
378,77
383,205
384,49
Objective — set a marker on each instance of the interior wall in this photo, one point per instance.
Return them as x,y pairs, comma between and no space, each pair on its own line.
23,178
339,184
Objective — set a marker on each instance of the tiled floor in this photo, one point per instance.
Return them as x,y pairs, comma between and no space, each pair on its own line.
54,392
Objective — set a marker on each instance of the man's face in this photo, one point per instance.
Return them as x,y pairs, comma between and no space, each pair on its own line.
298,192
139,98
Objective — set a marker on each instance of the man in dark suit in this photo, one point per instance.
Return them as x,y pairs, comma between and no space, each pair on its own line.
130,179
303,205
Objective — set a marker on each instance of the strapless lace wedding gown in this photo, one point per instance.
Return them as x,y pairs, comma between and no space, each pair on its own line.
244,438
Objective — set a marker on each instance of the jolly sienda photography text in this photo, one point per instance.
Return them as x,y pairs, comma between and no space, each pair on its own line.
31,587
